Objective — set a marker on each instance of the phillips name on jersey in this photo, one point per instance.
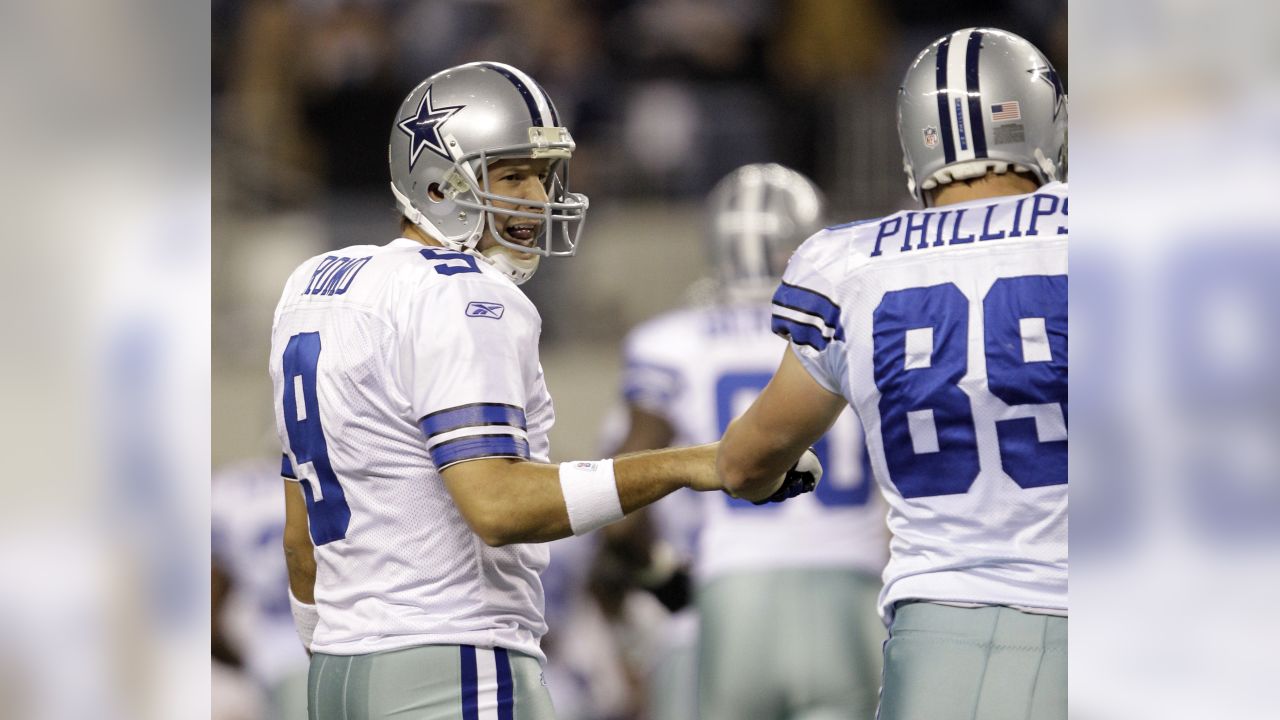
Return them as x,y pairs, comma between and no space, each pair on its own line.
946,330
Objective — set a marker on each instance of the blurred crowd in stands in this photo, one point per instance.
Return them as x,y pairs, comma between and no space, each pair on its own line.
662,96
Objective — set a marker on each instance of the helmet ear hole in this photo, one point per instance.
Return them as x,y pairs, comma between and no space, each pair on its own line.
433,192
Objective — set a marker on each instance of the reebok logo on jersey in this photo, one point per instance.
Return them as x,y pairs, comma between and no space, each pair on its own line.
485,309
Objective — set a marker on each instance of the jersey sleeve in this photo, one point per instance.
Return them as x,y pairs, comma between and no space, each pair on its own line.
468,359
806,315
286,468
650,380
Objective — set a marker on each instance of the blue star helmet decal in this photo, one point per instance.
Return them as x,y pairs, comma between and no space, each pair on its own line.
1049,75
423,128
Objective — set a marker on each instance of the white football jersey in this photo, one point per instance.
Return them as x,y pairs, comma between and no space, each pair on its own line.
700,368
389,364
946,329
246,513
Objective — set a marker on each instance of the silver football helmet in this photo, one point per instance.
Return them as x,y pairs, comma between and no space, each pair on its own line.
759,215
446,134
981,100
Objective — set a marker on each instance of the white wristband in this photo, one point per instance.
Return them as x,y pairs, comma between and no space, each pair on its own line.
305,618
590,494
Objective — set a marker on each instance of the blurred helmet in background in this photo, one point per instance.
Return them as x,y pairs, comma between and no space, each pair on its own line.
981,100
447,133
759,215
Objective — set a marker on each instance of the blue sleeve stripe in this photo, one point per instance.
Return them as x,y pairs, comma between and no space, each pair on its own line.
798,332
286,467
812,303
642,379
473,415
636,393
478,446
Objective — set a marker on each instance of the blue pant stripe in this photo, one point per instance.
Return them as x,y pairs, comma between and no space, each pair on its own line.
470,693
506,688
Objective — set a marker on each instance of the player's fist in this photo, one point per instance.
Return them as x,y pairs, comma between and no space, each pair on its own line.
803,477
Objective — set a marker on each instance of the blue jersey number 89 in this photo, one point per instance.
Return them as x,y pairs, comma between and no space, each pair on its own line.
729,389
927,423
327,511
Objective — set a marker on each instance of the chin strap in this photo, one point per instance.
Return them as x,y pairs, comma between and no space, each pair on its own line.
519,270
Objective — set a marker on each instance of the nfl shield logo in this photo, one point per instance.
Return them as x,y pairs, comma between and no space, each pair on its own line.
931,137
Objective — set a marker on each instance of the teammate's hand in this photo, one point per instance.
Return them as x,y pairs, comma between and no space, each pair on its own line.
803,477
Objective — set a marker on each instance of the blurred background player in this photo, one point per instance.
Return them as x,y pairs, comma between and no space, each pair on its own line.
946,329
413,412
252,626
786,595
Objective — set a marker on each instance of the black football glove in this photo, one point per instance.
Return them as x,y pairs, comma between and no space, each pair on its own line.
803,477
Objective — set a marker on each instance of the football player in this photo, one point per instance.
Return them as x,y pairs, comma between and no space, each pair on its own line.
945,328
688,374
413,414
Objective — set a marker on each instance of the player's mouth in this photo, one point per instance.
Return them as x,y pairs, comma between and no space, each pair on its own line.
521,233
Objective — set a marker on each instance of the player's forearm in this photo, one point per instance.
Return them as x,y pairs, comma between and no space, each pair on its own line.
300,560
525,506
751,465
648,476
522,502
299,553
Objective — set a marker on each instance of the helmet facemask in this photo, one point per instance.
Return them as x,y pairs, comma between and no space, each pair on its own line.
561,215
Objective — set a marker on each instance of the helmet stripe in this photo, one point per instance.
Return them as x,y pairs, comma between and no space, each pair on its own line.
535,113
540,96
959,108
775,205
975,94
744,238
944,102
555,116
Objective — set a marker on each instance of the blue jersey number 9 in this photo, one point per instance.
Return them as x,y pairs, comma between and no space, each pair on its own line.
921,345
327,508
